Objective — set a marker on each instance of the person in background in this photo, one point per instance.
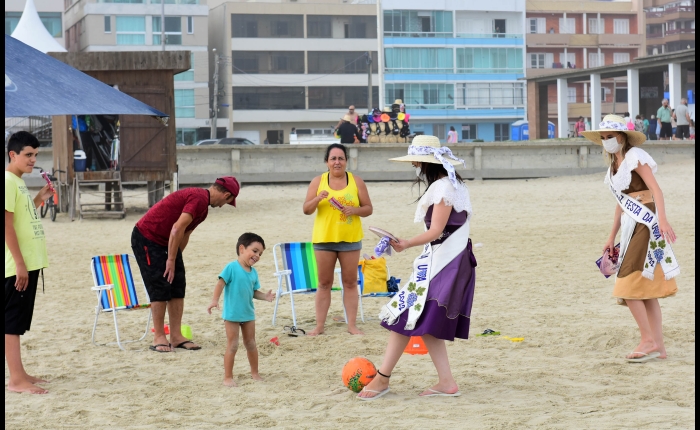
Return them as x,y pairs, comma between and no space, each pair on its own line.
348,131
452,135
638,124
580,126
653,125
353,116
682,117
551,30
645,127
663,118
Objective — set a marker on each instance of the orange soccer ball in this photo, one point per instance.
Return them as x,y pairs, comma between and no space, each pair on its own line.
357,373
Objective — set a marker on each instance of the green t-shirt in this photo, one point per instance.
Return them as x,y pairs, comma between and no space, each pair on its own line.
28,227
238,292
664,114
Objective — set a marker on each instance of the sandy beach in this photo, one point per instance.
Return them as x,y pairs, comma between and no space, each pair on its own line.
536,279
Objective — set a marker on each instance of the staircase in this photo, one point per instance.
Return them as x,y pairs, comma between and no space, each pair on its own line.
113,205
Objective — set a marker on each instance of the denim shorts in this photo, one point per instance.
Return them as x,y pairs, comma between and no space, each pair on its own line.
338,246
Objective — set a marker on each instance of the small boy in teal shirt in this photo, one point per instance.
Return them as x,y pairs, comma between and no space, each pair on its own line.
240,285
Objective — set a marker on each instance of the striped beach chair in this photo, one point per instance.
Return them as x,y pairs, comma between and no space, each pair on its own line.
116,291
296,272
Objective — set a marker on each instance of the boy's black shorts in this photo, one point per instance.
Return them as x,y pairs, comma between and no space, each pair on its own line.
151,258
19,305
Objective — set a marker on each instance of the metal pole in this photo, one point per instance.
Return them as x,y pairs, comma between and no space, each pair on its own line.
369,81
215,108
162,24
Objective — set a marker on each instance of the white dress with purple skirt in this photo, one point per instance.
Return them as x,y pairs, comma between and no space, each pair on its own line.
451,292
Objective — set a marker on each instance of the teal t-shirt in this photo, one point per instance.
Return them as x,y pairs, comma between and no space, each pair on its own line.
238,292
664,114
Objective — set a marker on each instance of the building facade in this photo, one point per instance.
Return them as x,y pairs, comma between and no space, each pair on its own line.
584,34
135,25
670,25
456,63
50,12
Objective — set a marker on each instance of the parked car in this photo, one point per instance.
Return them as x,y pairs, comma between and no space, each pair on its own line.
226,141
205,142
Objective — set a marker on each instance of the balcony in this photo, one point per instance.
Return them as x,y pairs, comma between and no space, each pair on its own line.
633,40
547,39
671,14
677,35
583,40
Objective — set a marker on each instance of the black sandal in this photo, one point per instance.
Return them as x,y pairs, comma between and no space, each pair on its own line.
294,331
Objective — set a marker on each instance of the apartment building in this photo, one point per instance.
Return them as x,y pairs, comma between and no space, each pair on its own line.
670,25
292,64
135,25
456,64
50,12
584,34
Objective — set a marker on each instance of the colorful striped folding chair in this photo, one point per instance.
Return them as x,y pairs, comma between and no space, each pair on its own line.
116,291
296,265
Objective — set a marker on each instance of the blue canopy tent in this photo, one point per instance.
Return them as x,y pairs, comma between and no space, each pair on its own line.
37,84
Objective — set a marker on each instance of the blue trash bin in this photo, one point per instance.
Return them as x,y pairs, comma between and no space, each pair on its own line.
79,161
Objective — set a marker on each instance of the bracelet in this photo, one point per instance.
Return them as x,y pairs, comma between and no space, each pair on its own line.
386,376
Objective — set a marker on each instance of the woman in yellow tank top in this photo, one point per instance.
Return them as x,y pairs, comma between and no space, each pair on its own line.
339,199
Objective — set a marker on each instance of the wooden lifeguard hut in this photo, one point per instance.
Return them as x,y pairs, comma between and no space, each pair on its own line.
146,151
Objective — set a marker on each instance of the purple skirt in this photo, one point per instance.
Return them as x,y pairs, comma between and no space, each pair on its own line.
449,302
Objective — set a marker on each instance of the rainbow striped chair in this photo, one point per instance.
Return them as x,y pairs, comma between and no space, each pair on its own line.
296,272
116,291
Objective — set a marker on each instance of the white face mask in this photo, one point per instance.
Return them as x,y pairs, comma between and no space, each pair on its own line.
418,172
612,146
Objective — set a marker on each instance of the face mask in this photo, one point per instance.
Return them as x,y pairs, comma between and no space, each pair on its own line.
612,146
418,171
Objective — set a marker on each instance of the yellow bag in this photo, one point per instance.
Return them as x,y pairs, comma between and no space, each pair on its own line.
374,275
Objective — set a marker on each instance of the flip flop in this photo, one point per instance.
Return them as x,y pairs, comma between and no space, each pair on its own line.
489,332
155,347
643,358
436,393
294,331
378,394
182,345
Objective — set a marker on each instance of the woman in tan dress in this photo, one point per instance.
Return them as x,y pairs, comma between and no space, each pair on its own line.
641,279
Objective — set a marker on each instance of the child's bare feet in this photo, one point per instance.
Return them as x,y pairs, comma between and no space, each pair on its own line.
441,388
257,377
378,384
316,331
25,386
644,347
229,382
354,330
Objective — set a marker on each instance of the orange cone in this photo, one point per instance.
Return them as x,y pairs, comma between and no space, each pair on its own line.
416,346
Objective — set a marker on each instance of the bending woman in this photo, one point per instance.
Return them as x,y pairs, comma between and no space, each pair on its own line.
648,266
436,302
337,232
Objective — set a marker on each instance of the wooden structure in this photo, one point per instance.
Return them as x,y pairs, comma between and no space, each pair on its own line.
113,207
147,146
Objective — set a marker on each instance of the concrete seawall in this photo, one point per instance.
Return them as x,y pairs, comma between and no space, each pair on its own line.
300,163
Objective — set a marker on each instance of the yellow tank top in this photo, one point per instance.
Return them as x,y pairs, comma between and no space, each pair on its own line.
331,225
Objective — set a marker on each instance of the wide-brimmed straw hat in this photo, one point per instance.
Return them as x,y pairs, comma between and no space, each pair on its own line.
618,124
420,141
348,118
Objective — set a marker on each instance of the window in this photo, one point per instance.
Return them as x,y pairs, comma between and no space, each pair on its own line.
318,26
254,25
131,30
594,28
340,62
339,97
569,58
411,23
53,23
184,103
439,131
419,60
190,25
567,25
596,60
108,24
422,96
468,131
11,20
273,62
485,94
538,25
188,75
502,132
539,61
621,57
173,30
188,136
263,98
621,26
489,60
571,92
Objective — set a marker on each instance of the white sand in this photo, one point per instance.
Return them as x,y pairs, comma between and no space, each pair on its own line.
536,279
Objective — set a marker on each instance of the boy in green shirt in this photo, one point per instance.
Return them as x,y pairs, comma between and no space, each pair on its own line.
25,255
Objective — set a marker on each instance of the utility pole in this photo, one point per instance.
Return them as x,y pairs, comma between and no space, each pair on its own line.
369,81
215,108
162,24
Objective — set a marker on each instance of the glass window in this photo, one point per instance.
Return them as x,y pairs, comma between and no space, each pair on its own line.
318,26
190,25
469,131
184,103
489,60
481,95
422,96
439,131
340,62
11,20
131,30
173,30
273,62
621,57
567,25
339,27
412,23
502,132
594,28
188,136
53,23
108,24
571,94
189,74
253,25
339,97
263,98
595,59
419,60
621,26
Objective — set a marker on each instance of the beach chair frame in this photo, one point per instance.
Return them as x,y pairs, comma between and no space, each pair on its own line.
106,291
